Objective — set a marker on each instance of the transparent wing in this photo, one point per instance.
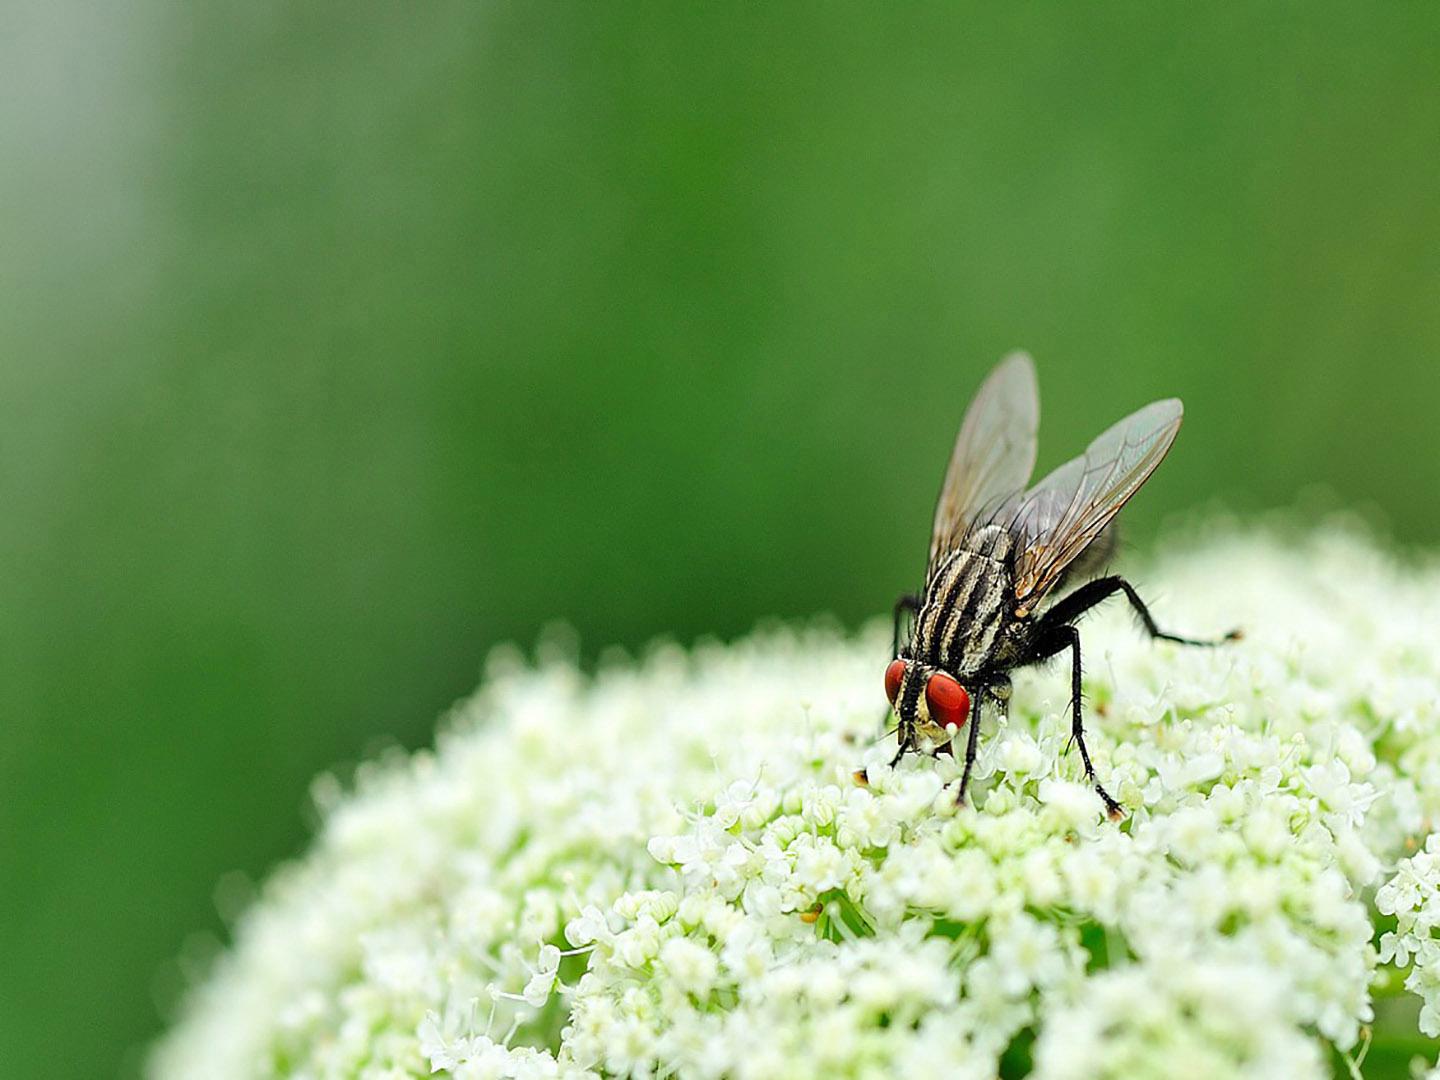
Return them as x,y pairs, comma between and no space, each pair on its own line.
994,453
1060,516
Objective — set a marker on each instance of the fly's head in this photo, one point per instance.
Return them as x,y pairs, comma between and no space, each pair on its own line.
926,699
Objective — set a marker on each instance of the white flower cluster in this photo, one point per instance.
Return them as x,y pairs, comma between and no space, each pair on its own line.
701,865
1413,897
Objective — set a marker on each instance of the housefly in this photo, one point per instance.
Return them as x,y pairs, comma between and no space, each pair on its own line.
1012,567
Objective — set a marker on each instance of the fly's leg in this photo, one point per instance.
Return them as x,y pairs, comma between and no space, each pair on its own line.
1094,592
999,693
970,744
907,743
1058,639
1054,634
911,603
1077,726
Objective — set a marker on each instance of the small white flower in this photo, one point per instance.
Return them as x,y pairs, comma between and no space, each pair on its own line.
1020,754
588,927
543,981
819,866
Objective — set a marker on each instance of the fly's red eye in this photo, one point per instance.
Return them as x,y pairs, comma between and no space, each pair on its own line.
894,676
947,700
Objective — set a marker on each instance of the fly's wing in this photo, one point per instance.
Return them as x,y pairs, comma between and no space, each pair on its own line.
994,453
1060,516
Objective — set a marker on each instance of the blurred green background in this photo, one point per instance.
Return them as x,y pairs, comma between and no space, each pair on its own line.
338,346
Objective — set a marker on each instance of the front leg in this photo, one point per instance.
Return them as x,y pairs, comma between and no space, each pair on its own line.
907,743
911,603
999,693
971,743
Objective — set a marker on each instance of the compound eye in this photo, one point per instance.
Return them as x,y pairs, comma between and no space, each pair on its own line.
947,700
894,676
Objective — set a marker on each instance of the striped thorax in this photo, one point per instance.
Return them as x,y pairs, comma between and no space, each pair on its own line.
967,605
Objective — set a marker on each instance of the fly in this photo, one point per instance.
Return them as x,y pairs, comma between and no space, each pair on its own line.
1003,557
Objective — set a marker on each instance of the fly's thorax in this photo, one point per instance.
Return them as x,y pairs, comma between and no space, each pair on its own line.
967,608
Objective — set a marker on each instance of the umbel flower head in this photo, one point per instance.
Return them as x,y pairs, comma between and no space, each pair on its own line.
671,868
